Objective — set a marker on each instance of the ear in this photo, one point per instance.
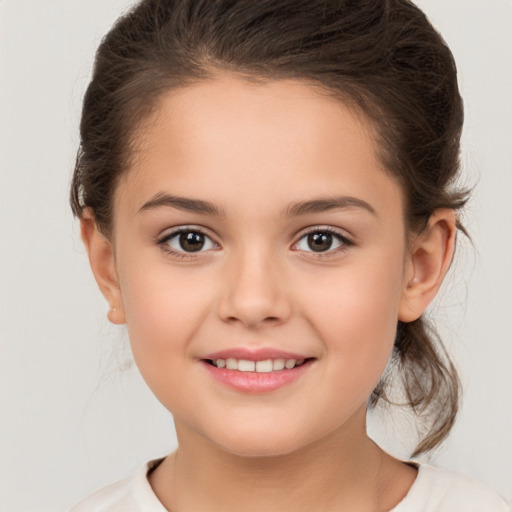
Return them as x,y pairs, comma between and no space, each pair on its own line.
429,260
102,261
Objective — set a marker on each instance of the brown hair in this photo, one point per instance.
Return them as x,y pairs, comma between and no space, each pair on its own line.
382,56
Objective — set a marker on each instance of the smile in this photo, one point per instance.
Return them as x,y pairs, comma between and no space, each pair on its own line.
263,366
256,371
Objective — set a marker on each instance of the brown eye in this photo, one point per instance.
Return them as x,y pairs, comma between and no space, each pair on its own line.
187,241
319,242
191,241
322,240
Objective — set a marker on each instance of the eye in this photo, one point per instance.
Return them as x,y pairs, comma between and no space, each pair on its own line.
186,240
322,241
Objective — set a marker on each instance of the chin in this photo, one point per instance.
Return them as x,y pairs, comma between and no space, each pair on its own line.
260,442
256,449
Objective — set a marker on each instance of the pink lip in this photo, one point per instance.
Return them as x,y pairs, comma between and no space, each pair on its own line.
254,382
259,354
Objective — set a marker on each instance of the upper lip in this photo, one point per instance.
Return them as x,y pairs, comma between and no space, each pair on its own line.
248,354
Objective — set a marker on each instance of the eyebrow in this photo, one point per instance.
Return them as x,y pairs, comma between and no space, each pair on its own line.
182,203
326,204
294,209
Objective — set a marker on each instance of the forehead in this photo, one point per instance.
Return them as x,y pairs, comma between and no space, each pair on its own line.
280,111
274,140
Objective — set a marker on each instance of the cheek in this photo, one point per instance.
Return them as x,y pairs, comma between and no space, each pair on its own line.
163,306
357,318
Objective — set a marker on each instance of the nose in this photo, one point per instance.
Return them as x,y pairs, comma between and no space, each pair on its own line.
254,292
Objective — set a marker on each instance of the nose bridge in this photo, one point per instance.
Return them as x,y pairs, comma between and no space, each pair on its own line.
254,288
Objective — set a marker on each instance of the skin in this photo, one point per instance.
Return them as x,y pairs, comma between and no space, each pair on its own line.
253,151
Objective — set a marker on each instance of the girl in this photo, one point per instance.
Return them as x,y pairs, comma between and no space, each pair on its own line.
267,194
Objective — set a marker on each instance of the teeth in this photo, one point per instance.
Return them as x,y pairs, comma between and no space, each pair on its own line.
231,364
265,366
246,366
278,364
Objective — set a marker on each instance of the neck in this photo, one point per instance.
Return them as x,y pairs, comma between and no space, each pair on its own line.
343,471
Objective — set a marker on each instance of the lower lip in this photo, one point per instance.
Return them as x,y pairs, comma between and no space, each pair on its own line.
254,382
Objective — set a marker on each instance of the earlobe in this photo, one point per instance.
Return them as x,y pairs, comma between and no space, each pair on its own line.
430,257
102,261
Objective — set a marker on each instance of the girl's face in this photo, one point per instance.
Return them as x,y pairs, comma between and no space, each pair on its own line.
258,228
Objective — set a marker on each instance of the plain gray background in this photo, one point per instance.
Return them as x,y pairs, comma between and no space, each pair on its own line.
74,414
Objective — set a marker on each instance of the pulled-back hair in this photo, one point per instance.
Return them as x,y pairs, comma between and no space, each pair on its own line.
382,57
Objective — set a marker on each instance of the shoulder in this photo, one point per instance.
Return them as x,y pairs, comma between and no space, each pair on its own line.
442,490
132,494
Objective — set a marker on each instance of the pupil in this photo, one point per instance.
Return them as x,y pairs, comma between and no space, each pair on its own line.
319,242
191,241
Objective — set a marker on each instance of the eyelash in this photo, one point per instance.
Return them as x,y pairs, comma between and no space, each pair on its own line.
344,242
163,242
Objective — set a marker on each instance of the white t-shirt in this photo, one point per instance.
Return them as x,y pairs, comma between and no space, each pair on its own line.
435,490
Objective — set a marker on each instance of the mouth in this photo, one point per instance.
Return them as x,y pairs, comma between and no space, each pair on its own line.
261,366
257,372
